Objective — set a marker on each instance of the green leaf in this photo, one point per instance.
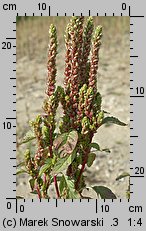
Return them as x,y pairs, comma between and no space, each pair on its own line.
68,185
98,99
113,120
21,171
34,192
66,143
123,175
62,184
45,167
28,137
32,183
95,145
72,193
91,158
104,192
63,163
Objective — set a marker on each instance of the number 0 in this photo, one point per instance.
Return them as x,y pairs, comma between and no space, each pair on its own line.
9,205
123,6
21,208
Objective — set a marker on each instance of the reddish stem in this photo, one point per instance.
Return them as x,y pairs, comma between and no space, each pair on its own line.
87,151
56,187
45,180
38,192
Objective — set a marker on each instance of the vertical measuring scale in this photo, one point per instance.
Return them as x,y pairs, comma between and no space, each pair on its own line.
119,214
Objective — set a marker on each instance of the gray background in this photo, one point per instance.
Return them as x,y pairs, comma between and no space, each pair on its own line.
74,210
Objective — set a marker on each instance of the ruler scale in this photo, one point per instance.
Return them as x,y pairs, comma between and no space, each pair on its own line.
72,214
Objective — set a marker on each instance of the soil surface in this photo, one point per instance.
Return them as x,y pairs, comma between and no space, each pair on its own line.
113,84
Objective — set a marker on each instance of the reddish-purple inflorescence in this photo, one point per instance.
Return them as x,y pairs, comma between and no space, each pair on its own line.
52,52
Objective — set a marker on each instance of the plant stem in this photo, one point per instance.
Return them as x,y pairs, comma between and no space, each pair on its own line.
45,181
82,170
56,187
87,151
38,192
51,143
